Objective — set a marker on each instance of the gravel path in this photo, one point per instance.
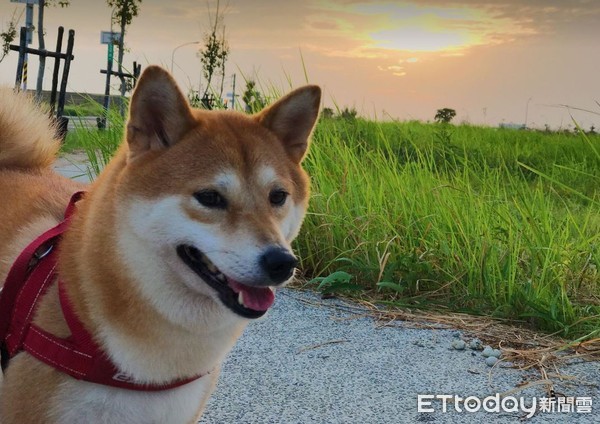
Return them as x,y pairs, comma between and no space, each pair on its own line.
311,361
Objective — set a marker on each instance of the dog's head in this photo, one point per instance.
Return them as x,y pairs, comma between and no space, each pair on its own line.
216,197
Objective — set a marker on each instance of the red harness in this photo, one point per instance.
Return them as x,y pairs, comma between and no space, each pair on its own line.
77,355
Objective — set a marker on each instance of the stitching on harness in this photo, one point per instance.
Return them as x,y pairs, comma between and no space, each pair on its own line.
56,364
56,342
42,286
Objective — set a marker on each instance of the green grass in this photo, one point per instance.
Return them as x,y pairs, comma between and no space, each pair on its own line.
99,145
488,221
498,222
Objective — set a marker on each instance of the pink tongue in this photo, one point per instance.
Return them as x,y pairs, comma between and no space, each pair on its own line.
256,298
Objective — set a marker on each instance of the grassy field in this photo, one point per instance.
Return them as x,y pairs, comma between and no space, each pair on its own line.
487,221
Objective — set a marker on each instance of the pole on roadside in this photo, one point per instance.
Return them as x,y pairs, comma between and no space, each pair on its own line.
233,94
42,47
108,38
29,26
29,37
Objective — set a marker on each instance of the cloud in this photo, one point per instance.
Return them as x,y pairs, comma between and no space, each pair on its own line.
387,31
443,25
395,68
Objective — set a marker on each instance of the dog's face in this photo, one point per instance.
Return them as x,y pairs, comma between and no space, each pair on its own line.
214,199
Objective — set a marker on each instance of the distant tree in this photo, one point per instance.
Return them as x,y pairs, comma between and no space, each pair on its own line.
327,112
445,115
348,114
253,99
215,52
592,130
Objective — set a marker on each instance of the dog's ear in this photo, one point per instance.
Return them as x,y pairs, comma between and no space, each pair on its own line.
292,119
159,114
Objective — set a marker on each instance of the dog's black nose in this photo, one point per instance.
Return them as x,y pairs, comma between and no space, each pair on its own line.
278,263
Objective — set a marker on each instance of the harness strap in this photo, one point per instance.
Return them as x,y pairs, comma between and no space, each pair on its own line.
29,263
77,355
26,302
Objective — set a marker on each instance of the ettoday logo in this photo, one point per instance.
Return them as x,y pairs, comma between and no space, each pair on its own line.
497,403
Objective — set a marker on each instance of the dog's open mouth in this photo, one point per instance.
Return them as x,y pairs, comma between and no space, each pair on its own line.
249,302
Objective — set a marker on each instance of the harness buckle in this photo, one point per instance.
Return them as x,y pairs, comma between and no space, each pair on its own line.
38,255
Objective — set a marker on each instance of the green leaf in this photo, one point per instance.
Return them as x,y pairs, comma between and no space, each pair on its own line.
392,286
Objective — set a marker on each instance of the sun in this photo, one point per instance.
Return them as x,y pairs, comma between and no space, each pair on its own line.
414,27
410,27
418,39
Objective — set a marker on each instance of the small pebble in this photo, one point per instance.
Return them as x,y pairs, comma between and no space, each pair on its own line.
458,344
475,344
491,361
488,351
496,353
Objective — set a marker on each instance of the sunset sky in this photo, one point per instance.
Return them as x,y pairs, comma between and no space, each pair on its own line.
492,61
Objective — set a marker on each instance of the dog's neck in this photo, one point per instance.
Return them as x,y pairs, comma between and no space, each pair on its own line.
108,276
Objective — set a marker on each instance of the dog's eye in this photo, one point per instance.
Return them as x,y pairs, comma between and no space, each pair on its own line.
278,197
211,199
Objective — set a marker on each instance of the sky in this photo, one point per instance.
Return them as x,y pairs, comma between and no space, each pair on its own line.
493,61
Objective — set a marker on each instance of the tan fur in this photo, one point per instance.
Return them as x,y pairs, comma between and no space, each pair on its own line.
27,137
171,152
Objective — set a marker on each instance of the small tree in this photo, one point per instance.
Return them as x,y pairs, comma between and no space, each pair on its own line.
348,114
215,52
327,113
445,115
8,35
253,99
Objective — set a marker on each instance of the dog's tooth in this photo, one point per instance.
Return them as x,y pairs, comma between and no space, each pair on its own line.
241,298
221,277
211,267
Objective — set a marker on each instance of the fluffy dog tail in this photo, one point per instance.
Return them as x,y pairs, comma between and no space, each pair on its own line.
28,138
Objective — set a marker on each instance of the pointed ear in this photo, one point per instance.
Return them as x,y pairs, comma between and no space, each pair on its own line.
292,119
159,114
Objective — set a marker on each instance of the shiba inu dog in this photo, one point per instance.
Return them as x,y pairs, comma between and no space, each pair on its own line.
161,264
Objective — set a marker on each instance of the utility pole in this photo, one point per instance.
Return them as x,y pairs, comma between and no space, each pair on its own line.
29,25
233,94
120,63
42,47
108,38
527,111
